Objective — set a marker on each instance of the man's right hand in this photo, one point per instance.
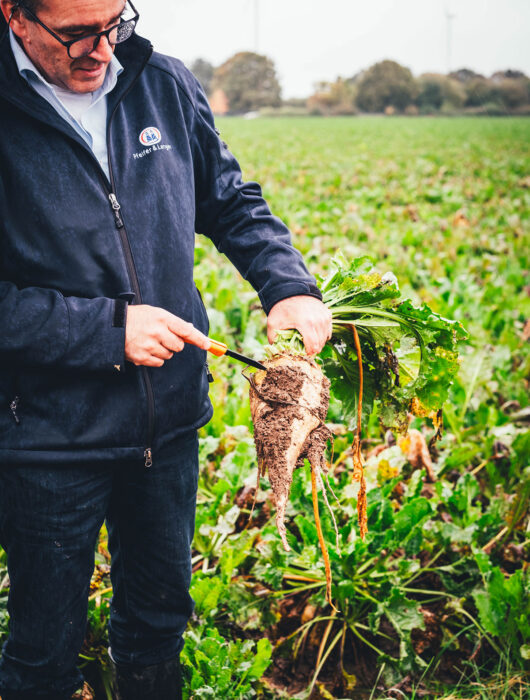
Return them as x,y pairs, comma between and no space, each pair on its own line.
152,335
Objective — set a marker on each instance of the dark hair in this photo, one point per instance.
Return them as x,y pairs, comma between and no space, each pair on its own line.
32,5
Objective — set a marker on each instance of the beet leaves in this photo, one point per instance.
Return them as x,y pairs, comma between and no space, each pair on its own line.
409,353
383,349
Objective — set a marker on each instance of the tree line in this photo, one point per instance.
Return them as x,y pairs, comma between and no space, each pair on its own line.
248,82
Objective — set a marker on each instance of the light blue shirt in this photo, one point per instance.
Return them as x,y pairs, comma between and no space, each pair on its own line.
85,112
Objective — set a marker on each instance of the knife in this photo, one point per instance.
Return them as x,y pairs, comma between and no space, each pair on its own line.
219,349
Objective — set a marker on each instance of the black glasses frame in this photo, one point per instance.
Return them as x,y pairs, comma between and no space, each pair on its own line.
97,35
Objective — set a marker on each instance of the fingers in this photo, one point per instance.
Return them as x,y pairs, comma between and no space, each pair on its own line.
329,328
171,342
168,341
315,331
153,335
312,341
271,334
188,333
150,361
153,356
308,315
315,334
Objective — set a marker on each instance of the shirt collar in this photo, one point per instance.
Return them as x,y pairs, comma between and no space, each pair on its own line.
29,71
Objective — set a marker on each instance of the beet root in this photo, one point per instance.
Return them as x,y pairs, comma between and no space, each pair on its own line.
289,404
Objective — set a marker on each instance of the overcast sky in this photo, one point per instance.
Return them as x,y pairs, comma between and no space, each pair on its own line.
310,40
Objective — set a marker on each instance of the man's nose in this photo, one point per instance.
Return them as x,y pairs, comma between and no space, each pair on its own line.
103,51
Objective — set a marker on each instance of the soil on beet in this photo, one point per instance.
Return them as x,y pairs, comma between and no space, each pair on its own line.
281,389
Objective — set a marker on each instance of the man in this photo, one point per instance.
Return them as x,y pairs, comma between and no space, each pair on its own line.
109,164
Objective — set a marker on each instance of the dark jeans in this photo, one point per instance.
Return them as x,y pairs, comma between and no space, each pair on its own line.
49,524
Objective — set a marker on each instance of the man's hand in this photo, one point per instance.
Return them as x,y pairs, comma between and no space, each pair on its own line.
152,335
308,315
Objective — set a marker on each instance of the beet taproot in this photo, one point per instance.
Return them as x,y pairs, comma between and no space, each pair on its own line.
289,403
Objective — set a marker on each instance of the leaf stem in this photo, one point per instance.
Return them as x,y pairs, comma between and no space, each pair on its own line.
358,470
324,659
358,634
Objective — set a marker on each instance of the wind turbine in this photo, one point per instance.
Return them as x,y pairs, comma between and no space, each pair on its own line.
256,26
449,18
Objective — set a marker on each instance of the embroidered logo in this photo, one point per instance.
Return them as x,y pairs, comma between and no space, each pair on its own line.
150,136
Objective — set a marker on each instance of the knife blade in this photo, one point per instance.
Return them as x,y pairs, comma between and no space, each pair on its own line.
219,349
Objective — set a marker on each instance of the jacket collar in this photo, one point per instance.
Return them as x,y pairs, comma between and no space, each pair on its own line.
133,54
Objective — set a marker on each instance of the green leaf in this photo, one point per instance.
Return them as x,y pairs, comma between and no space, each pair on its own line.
262,659
501,602
491,612
268,574
206,593
307,529
461,577
521,450
402,613
460,503
525,651
408,352
411,515
235,552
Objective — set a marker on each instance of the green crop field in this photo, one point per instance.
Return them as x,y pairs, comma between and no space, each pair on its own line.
434,602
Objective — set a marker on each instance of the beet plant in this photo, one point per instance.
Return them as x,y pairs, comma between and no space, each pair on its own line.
383,349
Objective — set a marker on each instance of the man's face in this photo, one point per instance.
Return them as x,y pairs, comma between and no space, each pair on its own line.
69,19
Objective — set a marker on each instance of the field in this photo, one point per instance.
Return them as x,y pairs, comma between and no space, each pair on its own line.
434,603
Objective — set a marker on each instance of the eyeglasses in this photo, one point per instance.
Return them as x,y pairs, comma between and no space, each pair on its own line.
85,45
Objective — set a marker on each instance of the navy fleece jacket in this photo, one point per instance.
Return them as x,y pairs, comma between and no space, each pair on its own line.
76,247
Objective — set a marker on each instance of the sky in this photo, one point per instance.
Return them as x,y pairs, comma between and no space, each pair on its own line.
311,41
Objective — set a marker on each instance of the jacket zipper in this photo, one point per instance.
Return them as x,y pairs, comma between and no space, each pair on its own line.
13,406
131,269
133,276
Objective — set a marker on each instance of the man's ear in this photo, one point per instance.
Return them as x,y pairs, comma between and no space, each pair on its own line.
7,7
11,11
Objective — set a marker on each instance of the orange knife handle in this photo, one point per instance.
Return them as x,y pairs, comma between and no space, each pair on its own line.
217,348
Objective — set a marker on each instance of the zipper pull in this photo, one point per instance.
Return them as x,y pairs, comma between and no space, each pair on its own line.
13,406
116,209
208,373
148,455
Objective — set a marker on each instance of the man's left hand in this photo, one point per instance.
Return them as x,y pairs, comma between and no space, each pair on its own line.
308,315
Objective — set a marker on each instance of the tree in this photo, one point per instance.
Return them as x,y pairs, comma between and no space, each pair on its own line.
249,82
507,89
333,98
437,91
465,75
479,91
430,96
203,71
386,84
514,92
510,74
